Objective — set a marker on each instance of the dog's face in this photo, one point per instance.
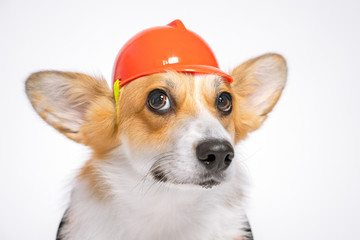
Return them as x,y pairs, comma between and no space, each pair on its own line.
175,127
181,127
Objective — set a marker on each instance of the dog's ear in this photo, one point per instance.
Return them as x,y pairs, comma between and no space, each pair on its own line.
258,84
77,105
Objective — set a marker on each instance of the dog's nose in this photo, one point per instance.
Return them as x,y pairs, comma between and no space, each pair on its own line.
215,154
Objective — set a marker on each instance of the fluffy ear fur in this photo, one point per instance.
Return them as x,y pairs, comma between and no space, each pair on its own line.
258,84
77,105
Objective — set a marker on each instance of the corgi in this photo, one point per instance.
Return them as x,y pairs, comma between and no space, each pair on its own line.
163,164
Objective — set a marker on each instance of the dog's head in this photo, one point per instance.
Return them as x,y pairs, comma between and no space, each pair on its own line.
173,127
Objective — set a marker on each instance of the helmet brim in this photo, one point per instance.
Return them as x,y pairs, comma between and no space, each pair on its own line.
193,69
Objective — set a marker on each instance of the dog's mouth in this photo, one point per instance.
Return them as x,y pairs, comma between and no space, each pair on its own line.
207,181
159,175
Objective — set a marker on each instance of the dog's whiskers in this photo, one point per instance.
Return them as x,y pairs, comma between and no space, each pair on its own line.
160,161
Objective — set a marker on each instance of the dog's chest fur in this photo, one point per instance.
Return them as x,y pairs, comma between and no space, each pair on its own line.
140,209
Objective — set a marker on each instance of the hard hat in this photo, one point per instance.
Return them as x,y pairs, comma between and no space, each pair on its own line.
162,49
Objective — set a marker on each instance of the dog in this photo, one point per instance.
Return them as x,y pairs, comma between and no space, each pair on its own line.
163,164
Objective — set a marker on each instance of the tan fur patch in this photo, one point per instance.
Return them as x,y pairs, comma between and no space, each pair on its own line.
90,171
100,128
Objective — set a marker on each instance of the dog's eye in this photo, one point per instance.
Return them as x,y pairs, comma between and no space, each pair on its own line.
158,101
224,102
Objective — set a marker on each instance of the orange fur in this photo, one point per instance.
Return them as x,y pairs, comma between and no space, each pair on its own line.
143,127
100,129
90,171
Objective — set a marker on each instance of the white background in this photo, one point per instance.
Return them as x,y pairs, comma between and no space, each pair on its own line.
304,163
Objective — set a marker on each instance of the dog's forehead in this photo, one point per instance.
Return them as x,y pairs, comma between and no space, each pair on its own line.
192,84
177,81
176,78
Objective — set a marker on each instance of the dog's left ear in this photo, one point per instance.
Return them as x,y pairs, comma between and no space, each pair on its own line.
258,84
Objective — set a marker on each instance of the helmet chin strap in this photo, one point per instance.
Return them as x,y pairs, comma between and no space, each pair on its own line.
116,96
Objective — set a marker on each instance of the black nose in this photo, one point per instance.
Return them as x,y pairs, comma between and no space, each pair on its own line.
215,154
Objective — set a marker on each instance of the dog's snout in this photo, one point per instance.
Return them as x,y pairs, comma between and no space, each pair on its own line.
215,154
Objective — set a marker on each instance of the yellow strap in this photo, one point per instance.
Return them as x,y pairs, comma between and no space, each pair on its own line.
116,95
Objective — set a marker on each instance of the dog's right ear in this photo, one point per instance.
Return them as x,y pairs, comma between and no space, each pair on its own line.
77,105
258,84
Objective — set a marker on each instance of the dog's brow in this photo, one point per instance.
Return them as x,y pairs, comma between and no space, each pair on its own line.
217,83
170,84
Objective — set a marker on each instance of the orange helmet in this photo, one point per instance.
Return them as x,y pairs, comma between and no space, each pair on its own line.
165,48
